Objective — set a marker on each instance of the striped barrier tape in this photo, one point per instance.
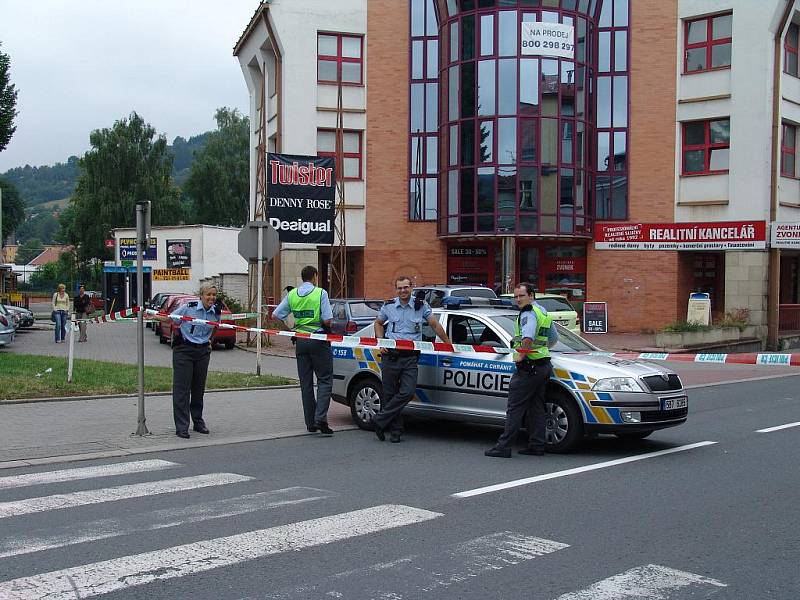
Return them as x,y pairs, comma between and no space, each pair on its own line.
744,358
129,313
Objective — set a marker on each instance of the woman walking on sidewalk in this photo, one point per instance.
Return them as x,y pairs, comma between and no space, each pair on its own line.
60,310
83,308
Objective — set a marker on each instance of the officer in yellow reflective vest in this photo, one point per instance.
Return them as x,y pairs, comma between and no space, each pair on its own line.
536,334
311,309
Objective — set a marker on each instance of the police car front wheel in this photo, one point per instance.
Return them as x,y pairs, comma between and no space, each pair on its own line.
365,401
563,424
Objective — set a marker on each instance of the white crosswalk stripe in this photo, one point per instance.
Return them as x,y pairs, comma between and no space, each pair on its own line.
180,561
127,468
17,508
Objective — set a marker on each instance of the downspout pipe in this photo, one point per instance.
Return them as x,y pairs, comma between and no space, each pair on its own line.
773,298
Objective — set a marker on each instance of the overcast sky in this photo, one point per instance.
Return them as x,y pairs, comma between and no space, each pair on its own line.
80,65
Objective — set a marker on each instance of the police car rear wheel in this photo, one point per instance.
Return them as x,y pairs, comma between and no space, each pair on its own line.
563,425
365,401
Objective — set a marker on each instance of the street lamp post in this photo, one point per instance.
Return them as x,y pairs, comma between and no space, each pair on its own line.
142,243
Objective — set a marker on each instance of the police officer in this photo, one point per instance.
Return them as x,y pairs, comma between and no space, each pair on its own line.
400,318
191,352
312,313
535,333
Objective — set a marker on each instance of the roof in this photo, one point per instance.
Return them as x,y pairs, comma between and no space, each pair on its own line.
263,5
50,255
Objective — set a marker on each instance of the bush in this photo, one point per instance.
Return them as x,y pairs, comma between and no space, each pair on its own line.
684,326
738,317
233,304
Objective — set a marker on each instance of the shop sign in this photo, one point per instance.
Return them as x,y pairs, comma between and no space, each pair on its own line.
300,198
785,235
127,249
595,317
724,235
548,39
110,244
468,251
170,274
179,254
471,278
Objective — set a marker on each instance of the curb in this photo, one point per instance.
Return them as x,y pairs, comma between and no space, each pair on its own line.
147,395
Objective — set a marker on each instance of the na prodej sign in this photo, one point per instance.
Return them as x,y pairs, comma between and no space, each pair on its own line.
548,39
785,235
724,235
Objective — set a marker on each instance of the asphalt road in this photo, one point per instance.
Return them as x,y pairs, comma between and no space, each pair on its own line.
705,510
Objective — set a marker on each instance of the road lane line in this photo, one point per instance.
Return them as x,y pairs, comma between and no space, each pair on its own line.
593,467
421,574
16,508
67,535
180,561
648,582
778,428
126,468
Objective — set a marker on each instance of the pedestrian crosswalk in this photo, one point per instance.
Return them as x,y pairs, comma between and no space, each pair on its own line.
59,561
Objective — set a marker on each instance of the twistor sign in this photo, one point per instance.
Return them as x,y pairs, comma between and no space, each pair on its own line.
301,197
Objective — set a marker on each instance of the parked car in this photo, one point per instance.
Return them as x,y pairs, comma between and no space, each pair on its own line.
24,316
7,329
98,302
352,314
558,307
587,394
162,304
435,294
155,303
226,337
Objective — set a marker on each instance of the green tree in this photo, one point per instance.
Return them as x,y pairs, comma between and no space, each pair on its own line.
8,102
219,185
66,232
42,225
28,251
127,164
13,209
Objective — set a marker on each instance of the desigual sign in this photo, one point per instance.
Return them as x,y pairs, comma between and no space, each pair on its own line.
725,235
785,235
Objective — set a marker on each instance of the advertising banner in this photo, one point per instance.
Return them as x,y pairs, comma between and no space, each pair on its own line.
785,235
725,235
699,308
127,249
548,39
301,197
170,274
179,254
595,317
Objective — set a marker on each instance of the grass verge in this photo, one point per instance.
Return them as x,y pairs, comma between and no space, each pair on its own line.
35,376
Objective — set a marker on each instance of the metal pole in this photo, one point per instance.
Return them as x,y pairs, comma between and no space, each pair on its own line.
258,301
71,347
2,237
141,245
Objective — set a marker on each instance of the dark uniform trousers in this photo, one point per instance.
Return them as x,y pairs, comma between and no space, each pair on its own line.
314,357
526,397
399,374
189,370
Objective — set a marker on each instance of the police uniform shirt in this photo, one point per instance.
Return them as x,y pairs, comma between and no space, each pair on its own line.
402,322
529,324
197,333
282,311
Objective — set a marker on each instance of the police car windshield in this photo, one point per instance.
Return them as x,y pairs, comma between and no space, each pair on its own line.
567,341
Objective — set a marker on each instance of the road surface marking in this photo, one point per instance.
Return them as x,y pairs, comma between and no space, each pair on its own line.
648,582
778,428
610,463
419,574
188,559
126,468
17,508
67,535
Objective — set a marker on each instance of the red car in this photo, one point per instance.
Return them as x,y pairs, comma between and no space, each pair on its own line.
226,337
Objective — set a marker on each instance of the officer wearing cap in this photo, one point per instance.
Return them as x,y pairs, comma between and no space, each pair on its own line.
312,312
536,334
400,318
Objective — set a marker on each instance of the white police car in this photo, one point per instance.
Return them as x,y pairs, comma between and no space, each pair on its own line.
589,393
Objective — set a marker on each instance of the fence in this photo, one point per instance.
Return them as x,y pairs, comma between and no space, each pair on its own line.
789,317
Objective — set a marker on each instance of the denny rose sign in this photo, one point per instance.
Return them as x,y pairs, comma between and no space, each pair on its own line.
301,197
727,235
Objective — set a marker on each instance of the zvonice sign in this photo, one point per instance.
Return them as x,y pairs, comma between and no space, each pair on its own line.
727,235
785,235
301,198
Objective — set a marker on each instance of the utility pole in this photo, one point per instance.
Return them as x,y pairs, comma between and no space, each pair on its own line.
142,243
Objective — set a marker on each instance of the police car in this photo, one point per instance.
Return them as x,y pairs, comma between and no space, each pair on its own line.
589,393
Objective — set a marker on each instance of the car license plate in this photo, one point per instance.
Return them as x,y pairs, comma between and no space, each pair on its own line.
673,403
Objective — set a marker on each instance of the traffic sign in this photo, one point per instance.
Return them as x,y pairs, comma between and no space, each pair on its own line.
248,241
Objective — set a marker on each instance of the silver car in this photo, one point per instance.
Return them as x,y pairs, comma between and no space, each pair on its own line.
589,393
7,328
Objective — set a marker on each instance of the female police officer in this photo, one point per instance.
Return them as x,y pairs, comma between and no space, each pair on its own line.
190,355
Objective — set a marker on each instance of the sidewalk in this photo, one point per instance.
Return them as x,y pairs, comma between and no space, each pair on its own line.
46,432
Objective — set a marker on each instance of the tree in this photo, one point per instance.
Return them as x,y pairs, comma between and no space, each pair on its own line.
28,251
8,101
43,226
13,209
127,164
219,183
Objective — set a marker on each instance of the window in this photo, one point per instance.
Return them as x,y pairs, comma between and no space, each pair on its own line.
351,151
789,150
339,58
706,147
790,50
707,43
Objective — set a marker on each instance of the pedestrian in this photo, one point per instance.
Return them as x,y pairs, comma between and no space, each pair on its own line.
83,307
400,318
191,352
311,309
536,334
60,312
